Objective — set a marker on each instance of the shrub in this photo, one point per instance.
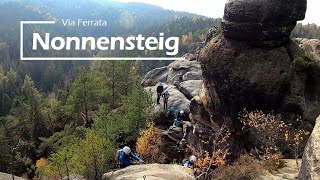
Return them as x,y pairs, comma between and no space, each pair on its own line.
246,168
302,62
206,161
266,131
272,136
273,163
149,145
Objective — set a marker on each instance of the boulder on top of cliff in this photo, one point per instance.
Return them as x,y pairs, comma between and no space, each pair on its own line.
151,172
262,22
310,167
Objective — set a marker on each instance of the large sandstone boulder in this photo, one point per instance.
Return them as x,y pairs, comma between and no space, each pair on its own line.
154,76
183,78
190,88
182,67
312,48
238,76
310,167
151,172
252,65
262,22
177,98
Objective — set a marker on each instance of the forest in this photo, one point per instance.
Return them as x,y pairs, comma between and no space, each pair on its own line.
68,117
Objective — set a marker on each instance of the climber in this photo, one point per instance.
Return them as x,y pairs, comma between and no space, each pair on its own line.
177,123
159,92
124,156
181,147
182,116
172,114
89,122
165,96
198,50
190,163
210,35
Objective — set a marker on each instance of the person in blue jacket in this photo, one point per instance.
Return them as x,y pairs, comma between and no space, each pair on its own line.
191,162
125,156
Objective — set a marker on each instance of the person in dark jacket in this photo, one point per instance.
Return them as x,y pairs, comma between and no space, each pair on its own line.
172,114
182,116
125,156
159,92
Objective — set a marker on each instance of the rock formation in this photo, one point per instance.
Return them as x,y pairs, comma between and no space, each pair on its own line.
311,48
183,78
252,65
262,22
4,176
151,171
310,167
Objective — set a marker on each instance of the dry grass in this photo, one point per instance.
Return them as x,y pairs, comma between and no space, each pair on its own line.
246,168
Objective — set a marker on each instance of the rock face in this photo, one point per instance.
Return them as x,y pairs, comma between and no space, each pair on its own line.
4,176
262,22
252,65
183,79
311,47
238,76
290,171
310,167
151,172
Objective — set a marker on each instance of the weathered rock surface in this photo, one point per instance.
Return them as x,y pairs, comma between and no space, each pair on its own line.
151,172
177,98
262,22
238,76
5,176
310,167
289,172
191,88
74,177
312,48
183,78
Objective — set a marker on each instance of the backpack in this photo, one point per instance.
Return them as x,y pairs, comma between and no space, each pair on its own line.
177,123
118,155
166,95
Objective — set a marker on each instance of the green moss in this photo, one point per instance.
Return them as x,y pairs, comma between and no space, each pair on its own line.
295,40
302,62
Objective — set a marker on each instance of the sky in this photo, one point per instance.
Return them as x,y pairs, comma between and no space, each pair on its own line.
215,8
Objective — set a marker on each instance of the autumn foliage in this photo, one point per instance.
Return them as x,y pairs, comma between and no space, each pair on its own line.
149,145
271,134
